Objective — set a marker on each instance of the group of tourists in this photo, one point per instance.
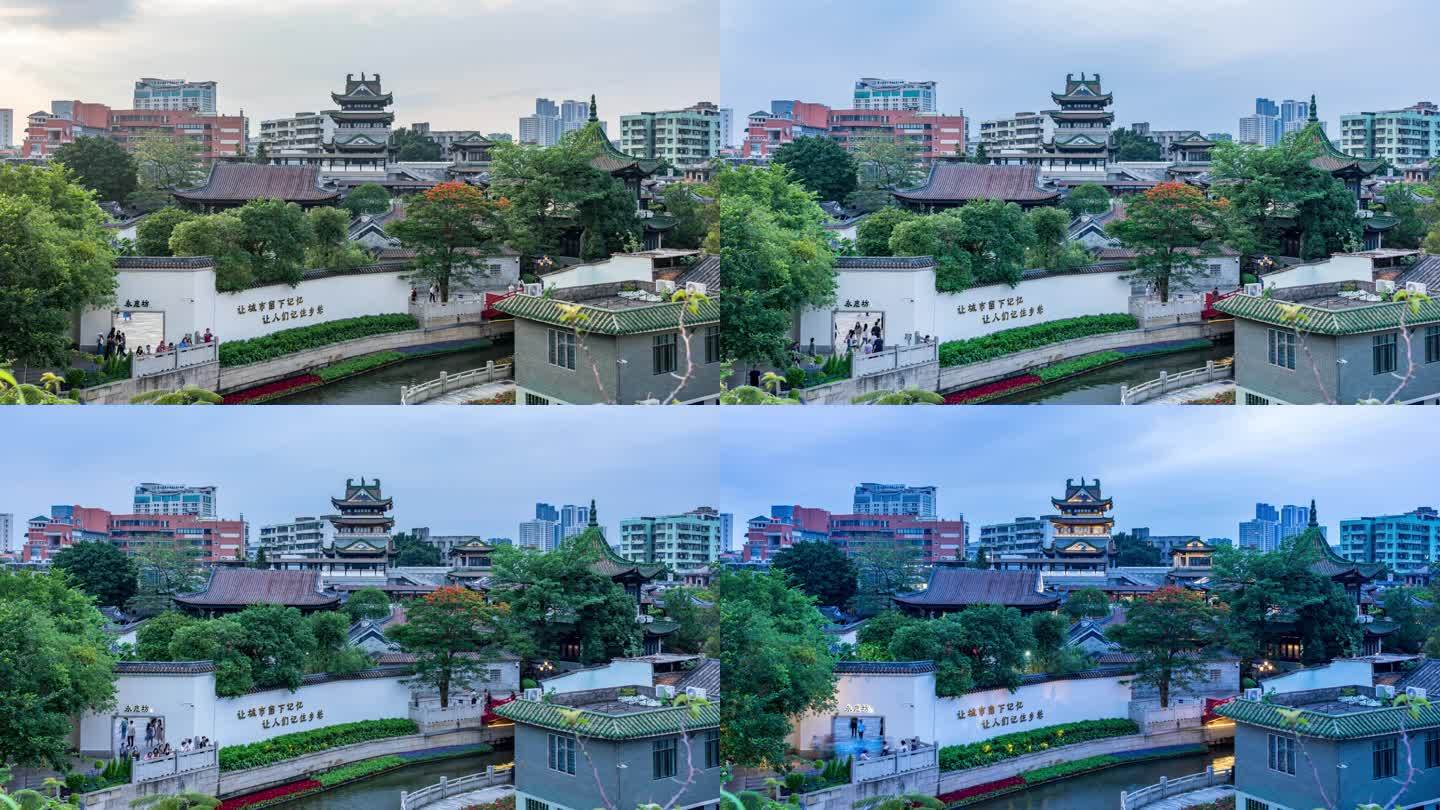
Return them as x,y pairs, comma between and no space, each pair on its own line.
114,345
111,344
865,338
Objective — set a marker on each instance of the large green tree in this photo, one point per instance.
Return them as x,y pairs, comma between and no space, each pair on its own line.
1088,602
547,192
55,259
276,234
694,215
449,227
221,236
167,162
1128,145
330,247
412,550
882,570
557,598
410,145
1172,228
1132,550
152,639
223,641
152,235
775,257
821,165
101,165
367,603
883,165
983,242
763,692
278,642
367,198
1087,198
819,569
55,664
101,570
872,236
697,616
1403,606
1276,191
453,634
943,641
164,569
1172,633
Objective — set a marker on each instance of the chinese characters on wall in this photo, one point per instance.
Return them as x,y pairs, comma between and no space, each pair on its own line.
999,715
137,709
137,303
859,708
998,310
854,303
289,714
289,309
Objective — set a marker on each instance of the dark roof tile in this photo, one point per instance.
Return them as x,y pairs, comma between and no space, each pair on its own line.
237,587
232,182
954,182
957,587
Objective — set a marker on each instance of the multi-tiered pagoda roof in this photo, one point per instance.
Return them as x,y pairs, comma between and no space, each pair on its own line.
362,527
362,90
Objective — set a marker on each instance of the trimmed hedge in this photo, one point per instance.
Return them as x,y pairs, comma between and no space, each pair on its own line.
1010,341
1078,365
289,746
1071,768
289,341
355,365
1009,746
355,770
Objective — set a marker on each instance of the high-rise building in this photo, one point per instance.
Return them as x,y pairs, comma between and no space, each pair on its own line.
175,94
1260,130
686,139
894,499
1293,520
545,127
1273,526
1023,535
538,534
1407,137
727,127
1407,544
304,536
545,511
684,543
7,128
1293,116
573,520
7,533
894,94
174,499
573,115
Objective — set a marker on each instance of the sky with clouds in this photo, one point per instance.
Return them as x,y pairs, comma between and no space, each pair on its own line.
1175,65
458,64
1176,470
458,471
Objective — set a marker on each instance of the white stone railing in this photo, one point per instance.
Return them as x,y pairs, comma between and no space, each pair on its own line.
148,770
1180,307
1213,370
466,304
493,775
430,715
886,766
865,365
492,372
1155,720
147,365
1132,800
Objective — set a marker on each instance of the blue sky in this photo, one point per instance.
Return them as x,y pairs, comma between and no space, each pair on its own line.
1175,65
1196,470
458,64
459,471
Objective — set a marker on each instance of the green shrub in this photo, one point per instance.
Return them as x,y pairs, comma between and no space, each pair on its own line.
795,377
1010,341
289,746
289,341
1078,365
355,770
1068,768
1007,746
355,365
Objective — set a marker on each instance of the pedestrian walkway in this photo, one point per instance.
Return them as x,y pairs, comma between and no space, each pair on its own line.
1184,395
483,391
474,797
1193,798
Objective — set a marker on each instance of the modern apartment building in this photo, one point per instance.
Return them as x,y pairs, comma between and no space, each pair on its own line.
67,120
175,94
927,135
1022,133
538,534
7,533
212,540
1023,535
683,543
573,115
1407,544
174,499
216,136
1401,137
787,525
7,128
727,128
894,499
687,138
894,94
544,128
304,536
301,133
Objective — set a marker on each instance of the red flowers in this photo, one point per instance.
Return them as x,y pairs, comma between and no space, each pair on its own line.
994,390
273,390
273,795
1005,785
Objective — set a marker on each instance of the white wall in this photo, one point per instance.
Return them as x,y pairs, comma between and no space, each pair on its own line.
187,702
1336,268
620,267
905,297
613,675
1330,676
1030,707
906,702
322,704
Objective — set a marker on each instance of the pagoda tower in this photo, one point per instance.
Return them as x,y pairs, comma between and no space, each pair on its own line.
1081,144
362,547
362,130
1081,543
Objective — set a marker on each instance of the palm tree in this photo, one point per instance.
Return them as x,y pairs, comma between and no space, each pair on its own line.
189,395
772,381
14,392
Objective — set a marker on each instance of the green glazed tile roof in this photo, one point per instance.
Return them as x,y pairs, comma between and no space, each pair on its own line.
1353,321
650,723
659,317
610,563
1331,726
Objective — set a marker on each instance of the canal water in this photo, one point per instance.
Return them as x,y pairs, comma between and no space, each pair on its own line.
382,386
1101,790
1103,387
383,792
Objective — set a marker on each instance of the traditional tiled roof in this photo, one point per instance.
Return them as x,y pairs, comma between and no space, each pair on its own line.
242,182
1321,321
706,676
1332,160
1332,564
706,271
1426,676
958,587
1426,270
963,182
163,667
1336,726
607,157
606,726
607,561
659,317
238,587
884,667
884,262
163,262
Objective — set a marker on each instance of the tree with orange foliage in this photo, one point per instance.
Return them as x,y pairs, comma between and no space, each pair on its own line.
450,227
452,632
1172,633
1172,227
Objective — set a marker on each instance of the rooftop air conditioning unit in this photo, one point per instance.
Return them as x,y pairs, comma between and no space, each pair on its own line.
1417,287
533,289
1252,694
1384,286
532,694
1385,690
665,690
1415,692
1253,289
695,692
664,286
695,287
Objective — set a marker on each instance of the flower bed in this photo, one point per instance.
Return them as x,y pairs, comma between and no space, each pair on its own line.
274,390
994,390
274,795
1024,338
507,803
289,746
504,398
1222,398
1008,746
984,790
290,341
